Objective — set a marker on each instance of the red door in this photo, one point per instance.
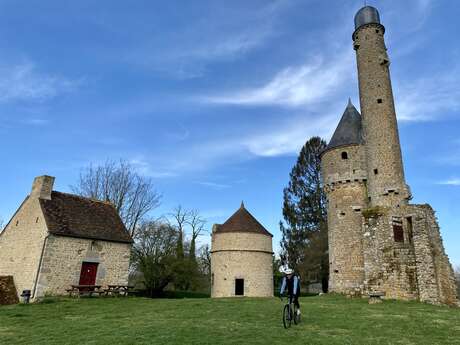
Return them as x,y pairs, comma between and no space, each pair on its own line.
88,273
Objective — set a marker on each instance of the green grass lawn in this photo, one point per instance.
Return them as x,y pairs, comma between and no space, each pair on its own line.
326,320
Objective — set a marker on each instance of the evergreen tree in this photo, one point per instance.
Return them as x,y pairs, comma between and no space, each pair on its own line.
304,241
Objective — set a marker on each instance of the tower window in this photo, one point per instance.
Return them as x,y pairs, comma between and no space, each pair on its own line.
379,100
376,171
377,31
344,155
398,233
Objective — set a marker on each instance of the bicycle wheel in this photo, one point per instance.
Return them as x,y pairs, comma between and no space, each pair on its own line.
287,316
296,316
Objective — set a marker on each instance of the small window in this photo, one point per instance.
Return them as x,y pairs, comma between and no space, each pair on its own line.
336,271
398,232
379,100
36,220
344,155
377,31
17,222
376,171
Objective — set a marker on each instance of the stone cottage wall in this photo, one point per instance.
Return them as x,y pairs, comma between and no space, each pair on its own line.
63,258
245,256
21,245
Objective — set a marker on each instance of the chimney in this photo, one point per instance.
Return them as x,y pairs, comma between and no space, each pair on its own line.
42,187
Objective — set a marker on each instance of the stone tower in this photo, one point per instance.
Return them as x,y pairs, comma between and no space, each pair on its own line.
378,242
241,257
345,173
386,184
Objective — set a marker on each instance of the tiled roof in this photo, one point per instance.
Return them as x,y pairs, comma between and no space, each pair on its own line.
75,216
242,221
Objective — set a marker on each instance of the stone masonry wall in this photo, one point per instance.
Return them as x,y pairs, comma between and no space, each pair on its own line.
345,186
346,262
254,267
389,266
241,255
21,244
63,258
383,151
8,293
435,274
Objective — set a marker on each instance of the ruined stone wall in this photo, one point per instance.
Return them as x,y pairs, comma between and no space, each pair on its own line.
345,188
63,258
8,293
389,266
435,274
21,245
241,255
386,184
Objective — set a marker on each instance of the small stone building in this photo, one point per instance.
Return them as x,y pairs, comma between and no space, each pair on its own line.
379,242
241,257
57,239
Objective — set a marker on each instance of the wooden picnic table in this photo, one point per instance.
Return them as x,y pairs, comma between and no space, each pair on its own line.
80,290
118,290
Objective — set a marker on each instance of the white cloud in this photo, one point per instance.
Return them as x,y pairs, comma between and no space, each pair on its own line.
290,138
428,98
143,167
451,182
23,83
228,32
214,185
295,86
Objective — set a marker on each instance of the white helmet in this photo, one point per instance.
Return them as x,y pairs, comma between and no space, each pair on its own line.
286,269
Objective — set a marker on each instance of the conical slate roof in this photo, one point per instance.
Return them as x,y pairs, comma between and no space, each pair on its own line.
349,131
242,221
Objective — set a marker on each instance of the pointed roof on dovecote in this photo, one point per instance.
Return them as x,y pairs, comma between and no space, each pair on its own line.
242,221
349,131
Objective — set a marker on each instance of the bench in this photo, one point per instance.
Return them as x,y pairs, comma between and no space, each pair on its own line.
119,290
375,297
84,290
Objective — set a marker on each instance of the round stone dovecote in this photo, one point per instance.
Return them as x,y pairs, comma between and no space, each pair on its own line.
241,257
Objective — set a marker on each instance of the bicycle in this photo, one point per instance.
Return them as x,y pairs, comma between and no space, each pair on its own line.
290,313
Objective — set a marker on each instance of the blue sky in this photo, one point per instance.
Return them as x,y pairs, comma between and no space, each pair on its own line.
214,99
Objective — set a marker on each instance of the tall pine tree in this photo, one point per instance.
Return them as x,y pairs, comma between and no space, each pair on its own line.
304,241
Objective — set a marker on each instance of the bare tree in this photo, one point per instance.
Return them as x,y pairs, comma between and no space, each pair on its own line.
197,224
205,260
1,224
132,195
181,218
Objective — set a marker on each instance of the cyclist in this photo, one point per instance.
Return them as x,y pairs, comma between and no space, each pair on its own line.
291,281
